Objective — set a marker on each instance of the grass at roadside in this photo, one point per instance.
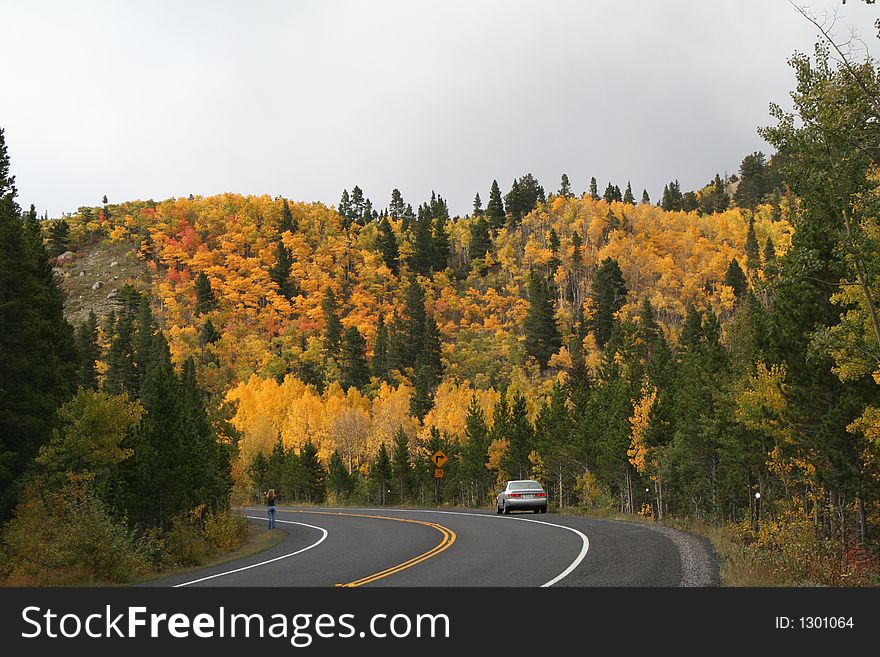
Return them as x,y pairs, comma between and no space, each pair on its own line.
259,540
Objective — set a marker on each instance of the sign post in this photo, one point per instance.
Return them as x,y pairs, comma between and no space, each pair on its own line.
439,459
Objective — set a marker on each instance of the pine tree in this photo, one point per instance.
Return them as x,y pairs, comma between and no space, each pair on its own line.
474,452
521,438
692,330
628,194
121,373
422,259
753,260
609,193
206,301
736,279
381,366
38,359
495,208
314,475
387,243
59,237
753,181
565,187
381,472
208,334
422,400
480,243
594,189
287,224
354,369
478,206
401,466
645,198
345,210
542,335
89,352
332,324
339,481
441,248
280,272
397,207
609,294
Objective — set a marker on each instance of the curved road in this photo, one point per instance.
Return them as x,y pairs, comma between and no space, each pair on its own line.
410,547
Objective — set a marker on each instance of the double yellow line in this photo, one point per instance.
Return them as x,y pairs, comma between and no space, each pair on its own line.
444,544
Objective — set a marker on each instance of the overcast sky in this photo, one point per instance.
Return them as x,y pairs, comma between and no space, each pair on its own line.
153,100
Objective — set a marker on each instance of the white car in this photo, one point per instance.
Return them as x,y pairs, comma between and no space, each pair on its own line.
524,494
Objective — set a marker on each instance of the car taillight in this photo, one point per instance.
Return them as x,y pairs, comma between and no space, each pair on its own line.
540,494
515,495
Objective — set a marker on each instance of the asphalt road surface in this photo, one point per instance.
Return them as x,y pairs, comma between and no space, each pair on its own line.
409,547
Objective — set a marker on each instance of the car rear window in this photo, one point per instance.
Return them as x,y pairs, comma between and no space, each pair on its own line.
524,485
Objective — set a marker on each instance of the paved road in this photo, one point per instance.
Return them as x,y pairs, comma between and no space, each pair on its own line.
397,547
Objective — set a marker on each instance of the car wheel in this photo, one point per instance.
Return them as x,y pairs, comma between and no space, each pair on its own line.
498,509
543,509
506,510
536,510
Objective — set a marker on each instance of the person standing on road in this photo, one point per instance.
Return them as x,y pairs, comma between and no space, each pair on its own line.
270,503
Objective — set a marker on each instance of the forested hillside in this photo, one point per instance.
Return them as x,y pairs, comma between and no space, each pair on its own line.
680,359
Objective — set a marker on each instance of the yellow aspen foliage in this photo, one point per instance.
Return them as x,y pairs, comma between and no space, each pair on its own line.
638,451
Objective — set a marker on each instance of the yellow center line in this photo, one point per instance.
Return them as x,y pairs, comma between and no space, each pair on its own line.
448,539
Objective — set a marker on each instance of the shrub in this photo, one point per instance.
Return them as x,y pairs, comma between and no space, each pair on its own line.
225,530
185,542
69,536
592,495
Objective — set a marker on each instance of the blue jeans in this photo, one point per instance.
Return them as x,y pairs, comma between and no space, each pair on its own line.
271,517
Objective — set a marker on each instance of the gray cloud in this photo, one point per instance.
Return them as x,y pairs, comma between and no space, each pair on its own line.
138,100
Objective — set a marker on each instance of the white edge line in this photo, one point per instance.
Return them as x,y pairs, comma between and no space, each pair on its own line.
263,563
565,573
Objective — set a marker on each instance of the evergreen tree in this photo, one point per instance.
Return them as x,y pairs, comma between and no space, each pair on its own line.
495,208
478,206
628,194
594,189
474,453
769,258
609,295
645,198
381,366
280,272
401,467
354,369
313,473
441,248
89,352
206,301
753,181
121,373
753,260
345,209
565,187
609,193
208,334
422,400
287,224
387,243
542,335
339,481
423,259
59,237
332,324
397,207
480,243
258,472
736,279
692,330
521,438
381,472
